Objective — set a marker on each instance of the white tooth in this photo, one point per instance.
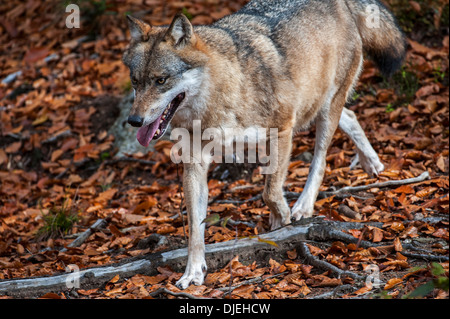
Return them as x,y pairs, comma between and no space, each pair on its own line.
161,121
158,131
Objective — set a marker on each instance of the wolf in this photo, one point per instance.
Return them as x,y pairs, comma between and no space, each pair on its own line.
273,64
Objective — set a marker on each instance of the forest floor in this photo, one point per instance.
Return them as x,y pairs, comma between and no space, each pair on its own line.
59,92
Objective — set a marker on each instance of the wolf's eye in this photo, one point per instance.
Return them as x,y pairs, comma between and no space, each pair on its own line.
161,81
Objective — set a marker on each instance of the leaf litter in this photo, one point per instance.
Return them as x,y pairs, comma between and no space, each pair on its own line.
58,98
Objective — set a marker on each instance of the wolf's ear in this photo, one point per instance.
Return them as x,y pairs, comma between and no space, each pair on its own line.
139,30
180,31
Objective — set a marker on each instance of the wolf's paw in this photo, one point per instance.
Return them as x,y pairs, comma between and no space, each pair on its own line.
301,210
193,275
370,164
276,221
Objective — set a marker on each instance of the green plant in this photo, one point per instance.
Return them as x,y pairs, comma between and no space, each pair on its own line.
439,75
405,83
390,108
187,14
439,281
57,222
422,16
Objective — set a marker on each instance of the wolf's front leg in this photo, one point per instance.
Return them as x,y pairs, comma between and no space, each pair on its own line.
195,187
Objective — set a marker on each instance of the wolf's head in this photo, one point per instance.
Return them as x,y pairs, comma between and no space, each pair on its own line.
166,69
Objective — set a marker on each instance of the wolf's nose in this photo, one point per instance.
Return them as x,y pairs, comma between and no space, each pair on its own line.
135,120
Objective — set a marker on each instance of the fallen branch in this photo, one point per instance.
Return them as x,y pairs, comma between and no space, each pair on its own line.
57,137
352,189
348,212
85,235
425,256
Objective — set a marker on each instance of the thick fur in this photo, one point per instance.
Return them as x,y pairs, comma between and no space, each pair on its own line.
274,64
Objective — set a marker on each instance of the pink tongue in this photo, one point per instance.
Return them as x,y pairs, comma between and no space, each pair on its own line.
145,134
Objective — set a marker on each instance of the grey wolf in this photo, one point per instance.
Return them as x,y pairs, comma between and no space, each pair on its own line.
273,64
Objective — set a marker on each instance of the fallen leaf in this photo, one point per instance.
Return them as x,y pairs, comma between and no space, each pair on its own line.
392,283
35,54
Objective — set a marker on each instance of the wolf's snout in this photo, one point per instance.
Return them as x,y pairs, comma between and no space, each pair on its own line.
136,120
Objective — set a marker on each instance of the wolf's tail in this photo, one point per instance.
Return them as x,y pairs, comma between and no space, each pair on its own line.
382,38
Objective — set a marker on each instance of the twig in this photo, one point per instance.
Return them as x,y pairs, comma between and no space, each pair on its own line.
175,294
348,212
326,232
425,256
100,223
312,260
57,137
60,175
235,223
350,189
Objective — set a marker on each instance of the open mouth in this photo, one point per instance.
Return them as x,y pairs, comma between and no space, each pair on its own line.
156,130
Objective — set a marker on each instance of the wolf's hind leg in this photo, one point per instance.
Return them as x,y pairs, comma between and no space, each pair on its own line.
280,214
326,125
365,153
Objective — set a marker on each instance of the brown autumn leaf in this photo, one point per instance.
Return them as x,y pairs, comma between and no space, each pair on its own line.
421,49
323,281
145,205
377,235
56,155
35,54
13,147
50,295
392,283
292,254
405,189
441,233
3,157
115,231
440,163
115,279
416,6
244,291
166,229
397,244
362,290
